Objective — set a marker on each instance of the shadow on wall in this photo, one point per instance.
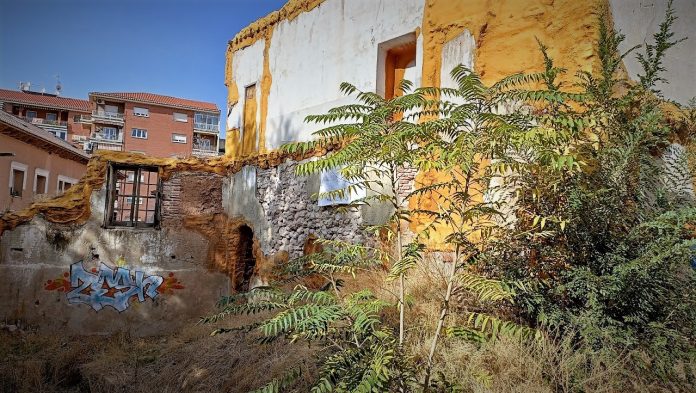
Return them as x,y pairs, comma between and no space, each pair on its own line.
292,127
285,129
245,260
234,250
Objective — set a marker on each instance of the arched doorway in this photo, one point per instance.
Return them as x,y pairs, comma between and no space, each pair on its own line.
246,263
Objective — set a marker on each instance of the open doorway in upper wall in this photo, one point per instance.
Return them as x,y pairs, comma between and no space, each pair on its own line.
246,263
396,61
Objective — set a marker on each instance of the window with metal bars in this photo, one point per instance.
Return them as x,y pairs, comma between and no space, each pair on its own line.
133,196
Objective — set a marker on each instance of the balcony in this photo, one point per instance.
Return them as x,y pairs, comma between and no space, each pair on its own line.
107,137
205,152
204,147
206,128
107,117
46,122
105,141
103,145
86,119
56,127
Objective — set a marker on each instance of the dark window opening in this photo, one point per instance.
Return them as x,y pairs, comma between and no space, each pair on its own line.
17,183
40,184
246,263
63,185
133,196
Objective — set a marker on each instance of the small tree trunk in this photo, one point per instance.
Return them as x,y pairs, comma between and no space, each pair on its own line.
399,255
441,321
402,283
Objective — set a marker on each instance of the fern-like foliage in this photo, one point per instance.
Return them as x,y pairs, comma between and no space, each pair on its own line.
483,327
279,385
652,60
581,226
358,351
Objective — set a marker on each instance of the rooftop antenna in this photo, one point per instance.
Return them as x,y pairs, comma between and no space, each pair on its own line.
24,86
59,86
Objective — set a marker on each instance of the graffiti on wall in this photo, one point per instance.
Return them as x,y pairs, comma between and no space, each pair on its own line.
111,287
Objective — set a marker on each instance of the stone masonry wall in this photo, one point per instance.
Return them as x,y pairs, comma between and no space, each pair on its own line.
293,215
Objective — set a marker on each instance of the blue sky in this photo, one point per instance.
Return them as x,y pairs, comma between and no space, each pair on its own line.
171,47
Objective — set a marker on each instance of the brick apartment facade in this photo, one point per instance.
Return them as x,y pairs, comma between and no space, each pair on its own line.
65,118
153,124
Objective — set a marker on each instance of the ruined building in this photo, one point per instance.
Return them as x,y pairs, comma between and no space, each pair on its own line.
145,244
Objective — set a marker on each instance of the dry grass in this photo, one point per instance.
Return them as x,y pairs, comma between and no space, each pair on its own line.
194,361
189,361
508,365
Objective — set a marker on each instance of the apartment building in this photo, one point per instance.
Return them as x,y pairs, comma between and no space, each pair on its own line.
153,124
65,118
34,164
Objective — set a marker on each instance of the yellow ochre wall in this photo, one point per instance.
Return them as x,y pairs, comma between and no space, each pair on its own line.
505,32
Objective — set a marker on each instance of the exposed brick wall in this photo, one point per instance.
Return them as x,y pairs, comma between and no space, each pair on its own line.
170,207
407,176
188,194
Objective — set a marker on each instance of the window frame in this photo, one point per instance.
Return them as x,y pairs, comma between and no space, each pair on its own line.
41,172
18,166
60,134
143,112
184,120
105,128
64,179
184,142
143,130
51,114
112,196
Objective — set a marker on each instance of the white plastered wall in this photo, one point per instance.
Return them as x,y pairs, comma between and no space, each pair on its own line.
639,20
247,69
336,42
460,50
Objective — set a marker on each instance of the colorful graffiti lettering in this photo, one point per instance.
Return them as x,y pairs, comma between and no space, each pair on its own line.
105,286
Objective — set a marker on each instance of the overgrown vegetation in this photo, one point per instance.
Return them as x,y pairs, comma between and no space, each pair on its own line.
571,240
